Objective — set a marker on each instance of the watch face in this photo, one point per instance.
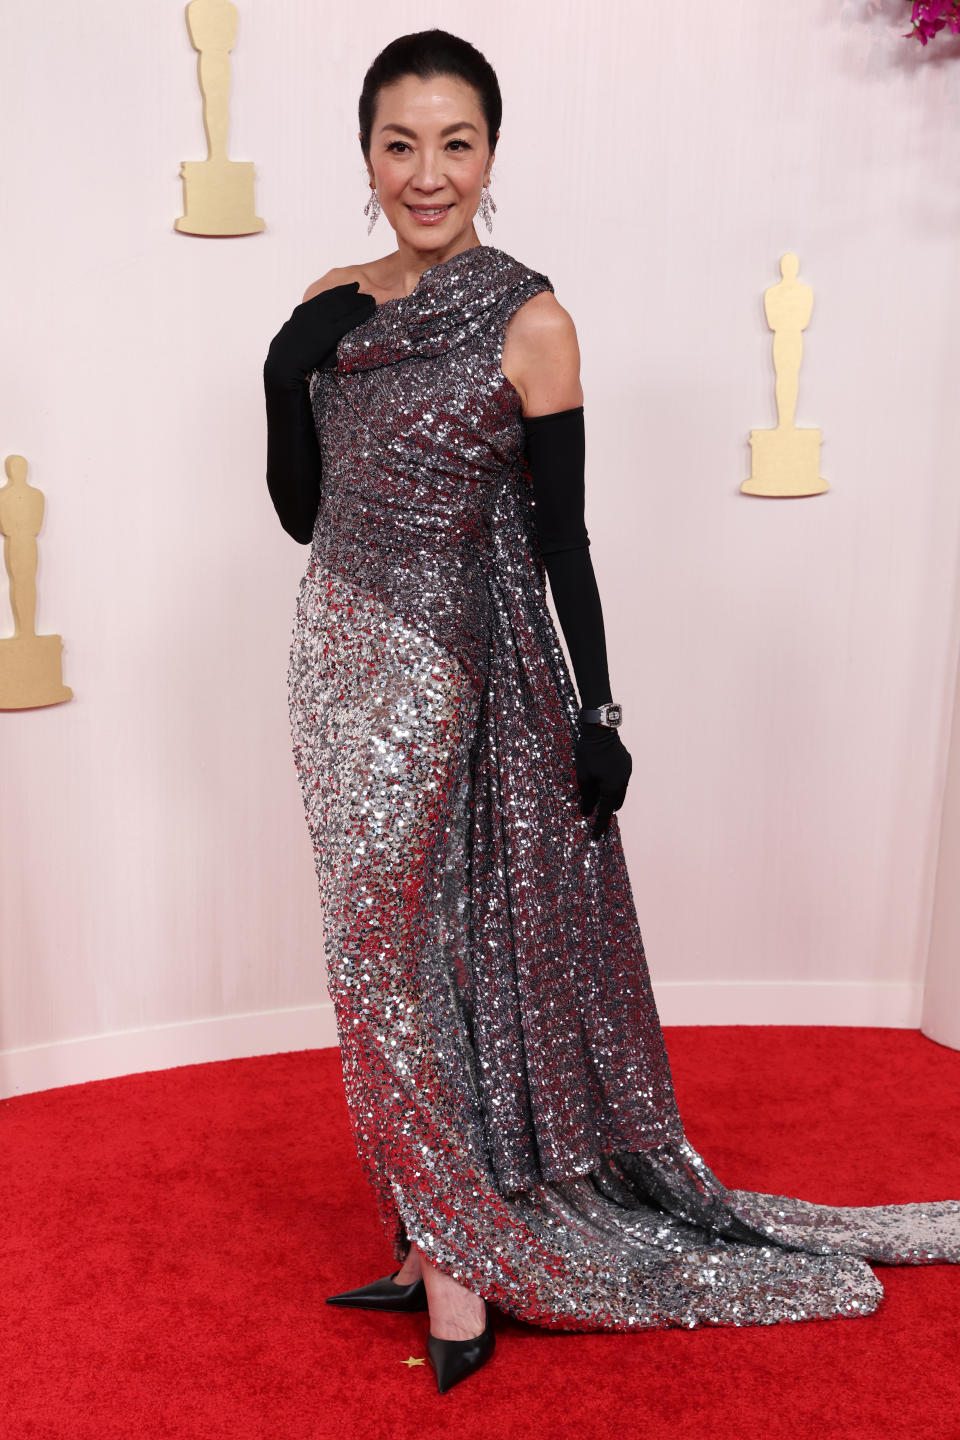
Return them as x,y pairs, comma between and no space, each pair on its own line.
614,715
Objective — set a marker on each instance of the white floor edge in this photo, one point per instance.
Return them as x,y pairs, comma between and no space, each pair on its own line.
232,1037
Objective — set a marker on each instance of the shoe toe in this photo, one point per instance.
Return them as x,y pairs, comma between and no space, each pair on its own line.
383,1294
454,1360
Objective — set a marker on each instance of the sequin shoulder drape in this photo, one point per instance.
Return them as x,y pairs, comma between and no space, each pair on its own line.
504,1066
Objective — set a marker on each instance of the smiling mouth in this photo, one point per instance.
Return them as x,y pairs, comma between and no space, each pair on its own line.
428,209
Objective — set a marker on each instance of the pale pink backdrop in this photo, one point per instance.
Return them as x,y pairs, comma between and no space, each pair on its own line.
787,667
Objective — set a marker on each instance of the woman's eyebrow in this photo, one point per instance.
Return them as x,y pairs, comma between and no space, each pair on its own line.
447,129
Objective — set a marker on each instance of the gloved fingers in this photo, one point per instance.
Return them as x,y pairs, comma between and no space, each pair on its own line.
610,798
315,327
589,790
601,823
335,303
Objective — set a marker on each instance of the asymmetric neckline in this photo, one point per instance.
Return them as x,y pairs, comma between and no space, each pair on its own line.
453,300
438,265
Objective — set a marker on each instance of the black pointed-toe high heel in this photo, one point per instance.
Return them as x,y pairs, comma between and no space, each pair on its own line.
454,1360
384,1294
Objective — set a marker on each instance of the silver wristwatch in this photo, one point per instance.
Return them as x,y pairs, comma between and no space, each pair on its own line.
609,714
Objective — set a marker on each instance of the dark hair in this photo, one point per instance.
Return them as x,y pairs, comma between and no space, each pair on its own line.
426,53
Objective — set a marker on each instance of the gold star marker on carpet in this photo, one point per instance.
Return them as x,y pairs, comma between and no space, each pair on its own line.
413,1361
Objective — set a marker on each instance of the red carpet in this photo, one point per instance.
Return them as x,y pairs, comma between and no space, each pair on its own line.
168,1240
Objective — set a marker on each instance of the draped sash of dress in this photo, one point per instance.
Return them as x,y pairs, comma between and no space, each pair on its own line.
504,1067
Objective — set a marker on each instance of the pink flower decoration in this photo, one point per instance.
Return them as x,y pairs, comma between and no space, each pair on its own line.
929,16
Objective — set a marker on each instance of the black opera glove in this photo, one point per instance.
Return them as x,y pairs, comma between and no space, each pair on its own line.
555,445
307,341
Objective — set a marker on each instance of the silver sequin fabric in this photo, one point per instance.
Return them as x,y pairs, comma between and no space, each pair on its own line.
504,1066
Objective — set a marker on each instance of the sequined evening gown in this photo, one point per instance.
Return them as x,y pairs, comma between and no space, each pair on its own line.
503,1061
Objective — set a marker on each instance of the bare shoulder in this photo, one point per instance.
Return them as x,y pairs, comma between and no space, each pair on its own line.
374,278
339,275
542,320
541,355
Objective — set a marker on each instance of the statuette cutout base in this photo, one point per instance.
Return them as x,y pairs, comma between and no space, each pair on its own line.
784,462
31,672
218,198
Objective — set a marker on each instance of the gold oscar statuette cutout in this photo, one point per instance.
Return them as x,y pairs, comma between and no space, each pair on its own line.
786,461
30,672
217,192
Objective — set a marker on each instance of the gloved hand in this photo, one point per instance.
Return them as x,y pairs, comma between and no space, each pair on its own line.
314,329
604,766
307,341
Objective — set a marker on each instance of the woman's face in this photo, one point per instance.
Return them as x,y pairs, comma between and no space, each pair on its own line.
429,151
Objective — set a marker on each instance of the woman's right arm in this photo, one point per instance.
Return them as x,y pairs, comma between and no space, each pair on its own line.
294,473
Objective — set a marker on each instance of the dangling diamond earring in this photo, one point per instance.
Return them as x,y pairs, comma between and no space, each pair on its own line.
372,205
487,203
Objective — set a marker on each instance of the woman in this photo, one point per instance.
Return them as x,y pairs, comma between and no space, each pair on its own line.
504,1066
